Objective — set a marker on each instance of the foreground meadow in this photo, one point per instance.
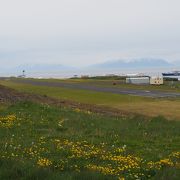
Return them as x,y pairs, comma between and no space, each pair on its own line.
43,142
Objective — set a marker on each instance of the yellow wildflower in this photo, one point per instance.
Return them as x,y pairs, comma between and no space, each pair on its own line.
44,162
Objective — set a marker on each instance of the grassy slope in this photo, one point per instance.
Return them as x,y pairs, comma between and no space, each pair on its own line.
40,125
146,106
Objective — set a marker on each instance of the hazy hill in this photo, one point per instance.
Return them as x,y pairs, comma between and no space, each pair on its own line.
135,63
177,63
35,68
41,67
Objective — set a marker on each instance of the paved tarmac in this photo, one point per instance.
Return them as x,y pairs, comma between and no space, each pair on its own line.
115,90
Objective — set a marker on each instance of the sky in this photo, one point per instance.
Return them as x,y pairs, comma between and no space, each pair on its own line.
84,32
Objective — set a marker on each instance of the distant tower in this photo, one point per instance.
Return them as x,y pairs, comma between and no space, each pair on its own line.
23,73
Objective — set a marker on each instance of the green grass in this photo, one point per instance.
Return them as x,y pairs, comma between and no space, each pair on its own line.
74,94
169,108
36,129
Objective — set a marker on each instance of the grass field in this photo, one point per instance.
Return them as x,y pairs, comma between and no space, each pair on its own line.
42,142
169,108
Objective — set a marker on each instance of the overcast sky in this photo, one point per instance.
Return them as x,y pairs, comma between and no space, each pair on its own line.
82,32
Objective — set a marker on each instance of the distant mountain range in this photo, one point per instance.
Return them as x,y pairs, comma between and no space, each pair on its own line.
177,63
41,67
34,69
114,64
135,63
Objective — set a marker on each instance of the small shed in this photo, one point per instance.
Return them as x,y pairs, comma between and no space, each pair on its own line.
156,81
137,80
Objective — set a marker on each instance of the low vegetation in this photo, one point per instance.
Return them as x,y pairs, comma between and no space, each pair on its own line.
42,142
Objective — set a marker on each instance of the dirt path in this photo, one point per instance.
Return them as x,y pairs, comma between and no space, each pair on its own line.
8,95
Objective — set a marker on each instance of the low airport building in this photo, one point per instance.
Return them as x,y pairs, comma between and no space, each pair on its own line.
138,80
145,80
156,80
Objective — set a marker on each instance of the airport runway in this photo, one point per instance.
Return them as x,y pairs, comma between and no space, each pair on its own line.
115,90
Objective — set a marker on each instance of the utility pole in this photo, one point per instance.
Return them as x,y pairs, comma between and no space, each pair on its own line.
23,73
